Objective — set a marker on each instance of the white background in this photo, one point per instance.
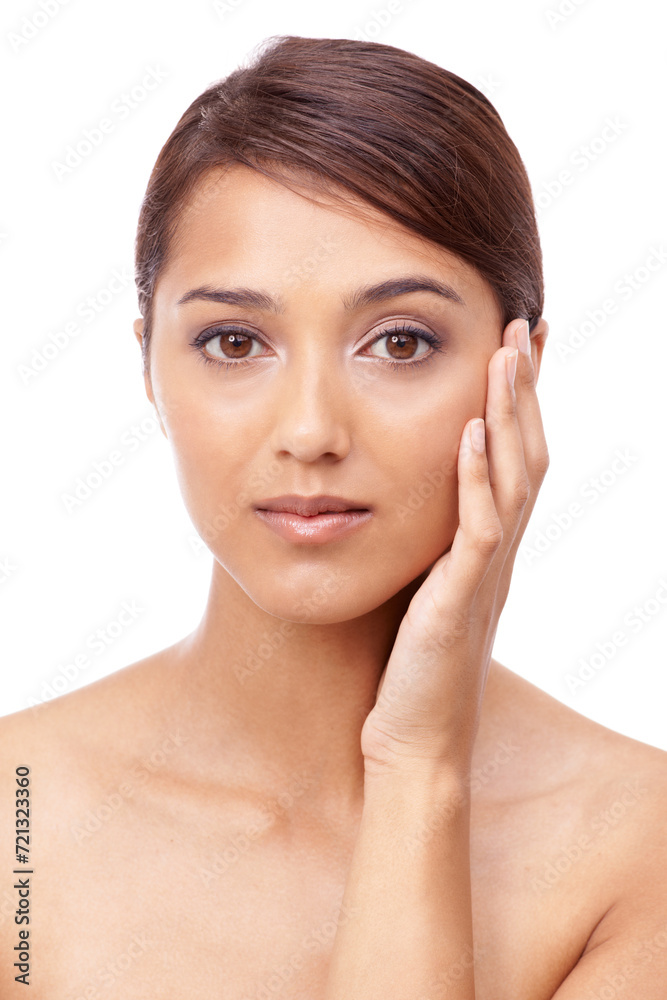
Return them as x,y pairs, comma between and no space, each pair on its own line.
556,80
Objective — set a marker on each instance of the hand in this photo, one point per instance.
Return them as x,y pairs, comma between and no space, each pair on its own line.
430,694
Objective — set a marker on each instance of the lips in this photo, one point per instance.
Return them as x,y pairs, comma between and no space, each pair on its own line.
310,506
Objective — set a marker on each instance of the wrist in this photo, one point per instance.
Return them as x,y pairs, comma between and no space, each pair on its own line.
442,779
423,757
419,814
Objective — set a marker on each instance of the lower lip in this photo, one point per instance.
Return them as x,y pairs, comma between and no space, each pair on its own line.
318,528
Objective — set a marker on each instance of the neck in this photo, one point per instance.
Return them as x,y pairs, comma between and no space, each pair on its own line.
292,697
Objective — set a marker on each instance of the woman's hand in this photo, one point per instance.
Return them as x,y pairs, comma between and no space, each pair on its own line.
430,694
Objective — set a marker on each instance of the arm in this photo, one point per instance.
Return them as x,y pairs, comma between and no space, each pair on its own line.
632,963
409,935
408,893
626,955
409,932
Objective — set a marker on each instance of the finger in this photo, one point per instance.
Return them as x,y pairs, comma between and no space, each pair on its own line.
529,421
507,470
528,408
480,530
505,450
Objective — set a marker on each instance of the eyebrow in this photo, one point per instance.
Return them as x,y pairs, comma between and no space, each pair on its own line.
401,286
389,289
232,296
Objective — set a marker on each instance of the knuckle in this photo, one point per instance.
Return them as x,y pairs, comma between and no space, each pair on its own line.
542,461
526,374
458,625
479,475
521,493
508,406
493,421
489,536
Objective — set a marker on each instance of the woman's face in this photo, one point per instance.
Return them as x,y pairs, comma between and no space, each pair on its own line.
316,397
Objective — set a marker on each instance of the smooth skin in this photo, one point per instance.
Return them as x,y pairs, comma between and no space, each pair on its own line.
330,788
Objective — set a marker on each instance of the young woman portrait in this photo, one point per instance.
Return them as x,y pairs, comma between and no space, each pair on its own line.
331,788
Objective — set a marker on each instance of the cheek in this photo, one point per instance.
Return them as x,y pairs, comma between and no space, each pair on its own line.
424,502
213,471
209,448
424,467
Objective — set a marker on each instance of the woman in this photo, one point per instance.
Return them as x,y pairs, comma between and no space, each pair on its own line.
330,788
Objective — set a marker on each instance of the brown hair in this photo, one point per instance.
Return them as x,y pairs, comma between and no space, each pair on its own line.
408,137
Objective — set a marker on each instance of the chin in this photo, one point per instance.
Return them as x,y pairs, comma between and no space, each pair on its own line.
329,602
329,594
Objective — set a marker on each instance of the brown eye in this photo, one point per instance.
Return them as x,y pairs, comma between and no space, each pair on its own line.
225,346
405,343
234,345
402,345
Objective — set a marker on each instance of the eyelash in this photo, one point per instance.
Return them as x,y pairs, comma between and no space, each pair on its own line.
405,328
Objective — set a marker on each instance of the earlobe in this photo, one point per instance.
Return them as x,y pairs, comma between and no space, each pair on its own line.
138,327
537,341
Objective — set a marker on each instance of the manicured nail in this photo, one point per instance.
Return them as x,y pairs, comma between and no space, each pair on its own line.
523,337
510,366
477,434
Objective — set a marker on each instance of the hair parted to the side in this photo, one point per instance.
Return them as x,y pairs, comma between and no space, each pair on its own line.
407,136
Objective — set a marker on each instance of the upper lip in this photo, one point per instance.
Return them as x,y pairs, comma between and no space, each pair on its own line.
308,506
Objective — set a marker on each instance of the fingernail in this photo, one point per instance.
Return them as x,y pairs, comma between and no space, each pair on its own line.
510,366
477,434
523,337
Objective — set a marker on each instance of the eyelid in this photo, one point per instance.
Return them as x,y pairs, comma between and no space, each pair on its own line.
405,326
220,330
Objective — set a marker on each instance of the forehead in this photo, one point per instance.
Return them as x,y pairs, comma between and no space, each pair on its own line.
241,223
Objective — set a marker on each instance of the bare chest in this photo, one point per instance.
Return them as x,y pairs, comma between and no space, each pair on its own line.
243,906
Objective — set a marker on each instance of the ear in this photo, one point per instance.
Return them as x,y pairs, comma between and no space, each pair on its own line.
138,327
538,339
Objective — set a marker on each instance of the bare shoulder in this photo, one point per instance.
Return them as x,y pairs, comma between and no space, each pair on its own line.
67,726
571,828
564,748
77,743
69,768
32,753
595,801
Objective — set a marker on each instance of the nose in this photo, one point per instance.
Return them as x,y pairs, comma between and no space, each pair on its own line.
312,410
